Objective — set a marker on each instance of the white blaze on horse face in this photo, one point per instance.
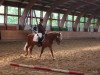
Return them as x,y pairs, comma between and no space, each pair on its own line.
60,36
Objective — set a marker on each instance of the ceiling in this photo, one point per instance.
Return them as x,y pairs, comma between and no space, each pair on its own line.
90,7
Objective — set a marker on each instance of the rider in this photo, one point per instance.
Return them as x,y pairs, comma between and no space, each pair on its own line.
41,29
35,28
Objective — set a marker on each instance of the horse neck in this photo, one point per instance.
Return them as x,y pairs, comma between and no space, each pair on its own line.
53,37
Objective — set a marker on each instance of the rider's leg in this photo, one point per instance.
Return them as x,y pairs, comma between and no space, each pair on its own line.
39,41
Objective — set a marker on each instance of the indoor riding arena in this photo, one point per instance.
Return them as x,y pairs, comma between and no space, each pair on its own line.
75,52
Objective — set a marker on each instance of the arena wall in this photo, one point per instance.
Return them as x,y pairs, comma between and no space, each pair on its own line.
76,35
13,35
21,35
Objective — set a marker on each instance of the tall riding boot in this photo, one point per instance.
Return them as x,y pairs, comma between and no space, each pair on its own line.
39,42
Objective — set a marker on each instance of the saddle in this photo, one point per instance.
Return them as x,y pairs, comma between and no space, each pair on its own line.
38,37
40,40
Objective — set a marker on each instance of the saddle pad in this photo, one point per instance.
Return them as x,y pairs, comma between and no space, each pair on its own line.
35,38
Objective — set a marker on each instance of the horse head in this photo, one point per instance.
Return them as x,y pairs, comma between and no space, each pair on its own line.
58,38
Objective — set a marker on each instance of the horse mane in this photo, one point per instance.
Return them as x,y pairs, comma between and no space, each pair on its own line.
52,35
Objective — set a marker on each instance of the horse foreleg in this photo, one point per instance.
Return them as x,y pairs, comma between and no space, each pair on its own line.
31,50
26,51
51,51
41,51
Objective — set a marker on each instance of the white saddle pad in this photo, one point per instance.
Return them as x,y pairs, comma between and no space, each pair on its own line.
35,38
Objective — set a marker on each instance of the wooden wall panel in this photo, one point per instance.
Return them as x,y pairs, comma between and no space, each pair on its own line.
2,28
13,35
8,27
21,35
11,28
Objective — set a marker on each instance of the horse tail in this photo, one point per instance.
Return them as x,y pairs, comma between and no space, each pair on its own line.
25,46
28,41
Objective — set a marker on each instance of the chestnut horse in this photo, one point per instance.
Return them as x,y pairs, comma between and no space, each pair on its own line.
47,42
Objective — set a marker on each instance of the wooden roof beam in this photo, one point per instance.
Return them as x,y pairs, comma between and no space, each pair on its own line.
22,18
64,19
77,21
1,2
57,2
92,2
96,13
48,13
22,0
87,24
97,24
66,14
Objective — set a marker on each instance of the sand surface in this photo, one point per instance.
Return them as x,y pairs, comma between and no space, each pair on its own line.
78,54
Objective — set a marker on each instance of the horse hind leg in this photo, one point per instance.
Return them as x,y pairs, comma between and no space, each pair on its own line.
30,50
26,48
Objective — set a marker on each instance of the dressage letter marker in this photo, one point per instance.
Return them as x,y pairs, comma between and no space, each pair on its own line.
47,69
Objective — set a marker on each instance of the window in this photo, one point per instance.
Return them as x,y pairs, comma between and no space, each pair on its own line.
12,20
92,20
48,22
28,14
54,23
65,24
12,10
55,16
75,18
78,27
34,21
95,20
82,19
91,27
22,10
69,25
81,26
1,18
94,25
61,15
28,21
86,19
44,13
48,25
37,13
2,9
70,17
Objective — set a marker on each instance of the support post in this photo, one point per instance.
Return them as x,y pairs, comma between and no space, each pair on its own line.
24,15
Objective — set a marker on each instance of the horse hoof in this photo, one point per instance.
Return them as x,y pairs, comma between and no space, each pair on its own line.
25,55
39,57
53,58
22,55
30,56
